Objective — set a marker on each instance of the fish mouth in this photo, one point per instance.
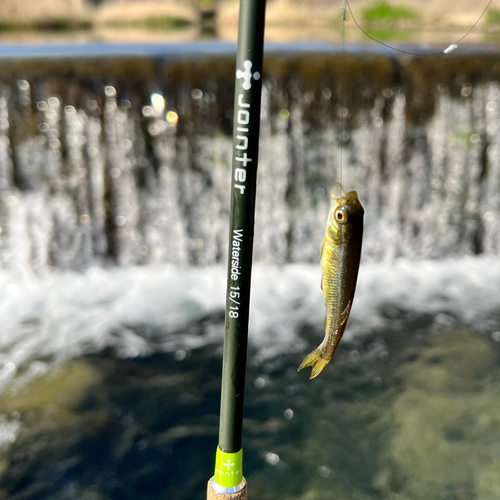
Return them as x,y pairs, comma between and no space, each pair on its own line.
349,200
338,191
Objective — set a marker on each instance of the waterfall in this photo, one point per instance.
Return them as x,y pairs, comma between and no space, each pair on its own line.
127,162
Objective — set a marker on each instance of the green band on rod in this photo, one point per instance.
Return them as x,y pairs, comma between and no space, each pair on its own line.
228,468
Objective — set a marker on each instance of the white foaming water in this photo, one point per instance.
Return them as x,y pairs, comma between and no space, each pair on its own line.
48,319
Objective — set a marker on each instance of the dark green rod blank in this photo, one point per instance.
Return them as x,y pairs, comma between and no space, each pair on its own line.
244,176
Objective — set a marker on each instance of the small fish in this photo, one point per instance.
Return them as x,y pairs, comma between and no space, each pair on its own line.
339,260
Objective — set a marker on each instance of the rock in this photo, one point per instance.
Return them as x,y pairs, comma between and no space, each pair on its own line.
445,441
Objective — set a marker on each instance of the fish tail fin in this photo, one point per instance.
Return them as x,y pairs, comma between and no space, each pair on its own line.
317,361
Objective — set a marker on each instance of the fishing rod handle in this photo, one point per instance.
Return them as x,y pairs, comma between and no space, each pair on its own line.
215,492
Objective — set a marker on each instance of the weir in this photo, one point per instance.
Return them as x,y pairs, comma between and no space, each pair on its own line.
126,161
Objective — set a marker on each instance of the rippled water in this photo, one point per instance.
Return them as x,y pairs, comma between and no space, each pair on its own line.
391,418
118,385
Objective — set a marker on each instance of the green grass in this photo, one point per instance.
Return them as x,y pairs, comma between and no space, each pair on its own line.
383,13
492,17
394,35
49,24
61,24
163,23
166,23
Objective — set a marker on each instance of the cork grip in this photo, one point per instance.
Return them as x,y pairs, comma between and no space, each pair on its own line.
212,495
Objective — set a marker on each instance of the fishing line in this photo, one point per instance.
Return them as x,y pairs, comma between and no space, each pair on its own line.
343,109
450,48
342,101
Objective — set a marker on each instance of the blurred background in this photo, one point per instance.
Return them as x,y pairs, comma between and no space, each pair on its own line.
287,20
115,151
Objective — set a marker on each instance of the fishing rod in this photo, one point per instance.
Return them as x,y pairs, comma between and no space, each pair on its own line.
228,481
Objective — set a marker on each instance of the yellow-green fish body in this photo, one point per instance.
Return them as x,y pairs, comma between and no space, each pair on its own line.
340,255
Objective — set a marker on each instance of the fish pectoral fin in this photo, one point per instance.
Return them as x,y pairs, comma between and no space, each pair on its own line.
317,361
345,313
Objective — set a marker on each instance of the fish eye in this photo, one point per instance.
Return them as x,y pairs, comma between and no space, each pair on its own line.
341,215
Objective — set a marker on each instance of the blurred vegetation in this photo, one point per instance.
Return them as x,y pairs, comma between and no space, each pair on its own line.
205,4
492,17
393,35
155,23
50,24
74,24
383,13
45,16
383,20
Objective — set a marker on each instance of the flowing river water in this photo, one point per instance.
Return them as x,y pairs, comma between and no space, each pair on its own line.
114,194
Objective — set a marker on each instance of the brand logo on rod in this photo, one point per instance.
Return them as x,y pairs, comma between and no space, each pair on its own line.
247,75
228,464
